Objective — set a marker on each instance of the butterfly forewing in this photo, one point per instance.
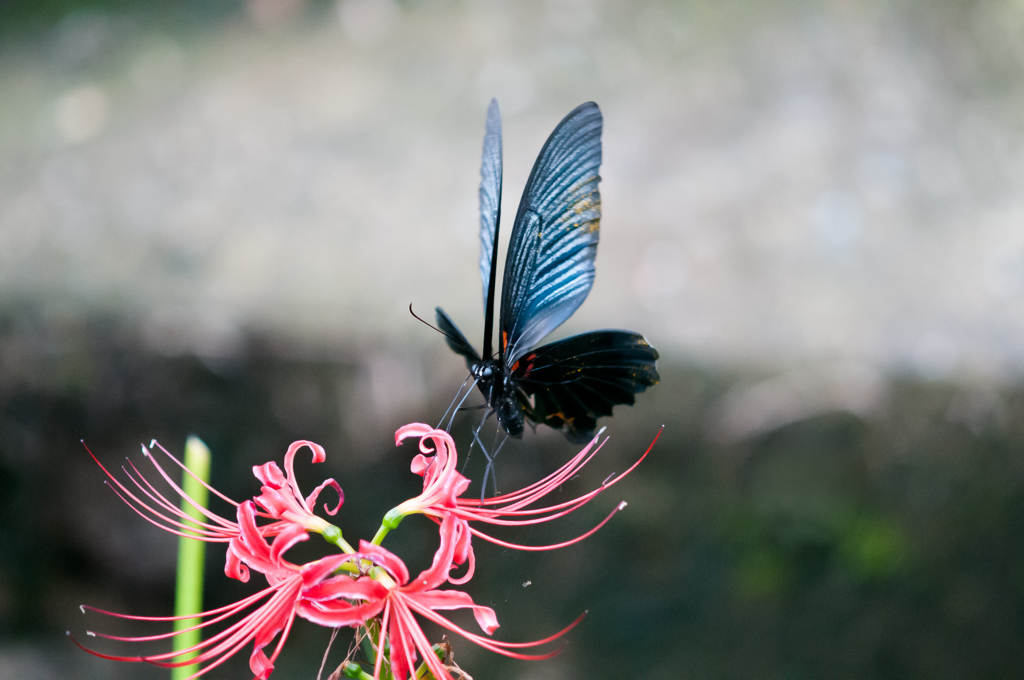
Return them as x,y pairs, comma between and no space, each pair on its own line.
549,269
570,383
490,214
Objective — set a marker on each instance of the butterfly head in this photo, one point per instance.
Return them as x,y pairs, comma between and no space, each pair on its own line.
484,370
489,378
497,385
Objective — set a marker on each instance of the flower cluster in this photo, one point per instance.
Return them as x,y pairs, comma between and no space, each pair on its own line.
368,587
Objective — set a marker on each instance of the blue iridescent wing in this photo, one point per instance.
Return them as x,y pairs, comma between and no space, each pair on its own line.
490,214
490,196
549,269
568,384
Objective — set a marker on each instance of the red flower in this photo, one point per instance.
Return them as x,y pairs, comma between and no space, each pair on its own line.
351,588
289,584
280,500
442,486
399,599
281,497
436,463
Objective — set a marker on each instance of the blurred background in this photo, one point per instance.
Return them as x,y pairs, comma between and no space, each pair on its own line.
214,217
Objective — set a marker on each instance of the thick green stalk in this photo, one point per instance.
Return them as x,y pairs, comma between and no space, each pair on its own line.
191,557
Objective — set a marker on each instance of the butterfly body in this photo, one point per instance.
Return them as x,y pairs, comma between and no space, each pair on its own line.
549,270
499,388
494,379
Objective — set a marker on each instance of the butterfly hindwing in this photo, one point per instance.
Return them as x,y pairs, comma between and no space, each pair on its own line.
570,383
455,339
549,269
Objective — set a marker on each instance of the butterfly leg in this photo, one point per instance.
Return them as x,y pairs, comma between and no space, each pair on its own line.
476,439
452,408
489,471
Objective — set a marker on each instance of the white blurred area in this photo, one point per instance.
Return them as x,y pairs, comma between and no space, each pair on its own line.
785,184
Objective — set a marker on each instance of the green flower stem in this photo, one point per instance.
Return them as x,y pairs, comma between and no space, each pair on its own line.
367,641
333,536
353,670
423,672
191,556
378,538
391,521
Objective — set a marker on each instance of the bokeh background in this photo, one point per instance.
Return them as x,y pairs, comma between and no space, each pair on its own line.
214,217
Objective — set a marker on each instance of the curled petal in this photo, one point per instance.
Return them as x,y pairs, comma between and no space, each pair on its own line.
463,542
251,547
412,430
438,571
337,613
420,464
260,665
464,554
456,599
270,475
386,559
318,457
311,498
280,496
347,588
437,464
291,535
314,573
233,567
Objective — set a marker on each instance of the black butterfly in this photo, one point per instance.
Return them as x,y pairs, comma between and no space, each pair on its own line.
549,271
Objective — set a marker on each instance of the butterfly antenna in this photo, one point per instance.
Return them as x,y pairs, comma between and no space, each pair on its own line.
430,325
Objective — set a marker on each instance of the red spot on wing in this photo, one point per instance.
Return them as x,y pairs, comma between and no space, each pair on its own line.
529,364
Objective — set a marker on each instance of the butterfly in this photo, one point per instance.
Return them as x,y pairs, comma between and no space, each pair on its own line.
549,270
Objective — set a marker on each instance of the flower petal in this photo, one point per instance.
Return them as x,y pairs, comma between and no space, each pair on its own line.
386,559
456,599
438,571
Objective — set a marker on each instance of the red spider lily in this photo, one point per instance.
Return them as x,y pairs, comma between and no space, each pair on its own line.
442,485
280,499
319,593
352,588
399,599
436,463
284,599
